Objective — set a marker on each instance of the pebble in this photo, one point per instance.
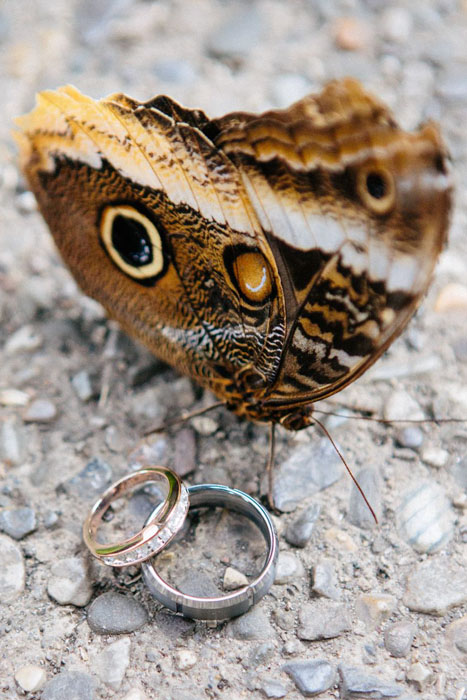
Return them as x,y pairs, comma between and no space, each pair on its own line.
147,454
31,678
359,514
90,481
185,659
114,439
18,522
374,609
401,406
419,675
411,437
14,397
239,34
72,685
351,33
324,580
24,339
311,676
309,469
12,571
112,663
69,583
40,411
425,518
233,579
113,613
356,683
253,625
261,655
184,461
396,24
398,638
272,688
436,586
459,472
174,626
435,457
12,445
205,425
289,568
322,619
299,531
81,383
453,297
456,633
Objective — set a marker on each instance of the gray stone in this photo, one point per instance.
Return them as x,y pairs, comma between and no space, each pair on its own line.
425,518
238,35
113,613
289,568
324,580
198,583
300,529
436,586
112,663
359,513
40,411
401,406
272,688
311,677
18,522
459,472
174,626
81,383
252,625
456,633
114,439
90,481
355,683
261,654
396,24
185,452
398,638
12,572
411,436
322,619
72,685
69,583
309,469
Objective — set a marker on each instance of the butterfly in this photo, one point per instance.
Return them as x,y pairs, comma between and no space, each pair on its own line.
272,257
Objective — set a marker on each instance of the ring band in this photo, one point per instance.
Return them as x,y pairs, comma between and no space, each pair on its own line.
161,526
239,601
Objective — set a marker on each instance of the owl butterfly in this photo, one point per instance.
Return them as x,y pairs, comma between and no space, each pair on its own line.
271,257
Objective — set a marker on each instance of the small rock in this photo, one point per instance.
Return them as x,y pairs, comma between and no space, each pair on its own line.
72,685
292,648
24,339
40,411
185,452
374,609
398,638
185,659
396,24
324,580
300,530
18,522
309,469
31,678
205,425
451,298
289,568
114,439
51,518
425,518
238,35
272,688
81,383
13,397
12,443
356,683
341,539
252,625
311,677
285,619
112,663
69,583
401,406
435,457
351,34
147,454
322,619
113,613
419,675
359,513
456,633
90,481
234,579
260,655
410,436
12,572
436,586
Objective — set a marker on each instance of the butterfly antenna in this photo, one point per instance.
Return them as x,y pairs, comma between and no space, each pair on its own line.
390,421
328,435
270,464
182,419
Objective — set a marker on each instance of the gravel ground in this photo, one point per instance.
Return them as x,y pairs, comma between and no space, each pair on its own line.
356,611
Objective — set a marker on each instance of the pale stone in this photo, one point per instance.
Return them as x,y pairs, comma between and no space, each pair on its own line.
31,678
234,579
185,659
374,609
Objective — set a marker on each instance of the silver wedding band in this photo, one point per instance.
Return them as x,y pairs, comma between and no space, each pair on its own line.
239,601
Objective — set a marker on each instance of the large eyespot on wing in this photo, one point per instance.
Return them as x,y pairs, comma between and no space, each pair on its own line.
250,274
133,242
375,185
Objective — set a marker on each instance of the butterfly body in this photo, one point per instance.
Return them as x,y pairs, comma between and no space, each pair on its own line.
271,257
